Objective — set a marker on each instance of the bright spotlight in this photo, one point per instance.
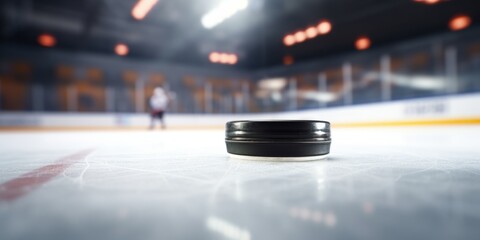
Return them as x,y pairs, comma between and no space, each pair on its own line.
142,8
300,36
289,40
121,49
324,27
362,43
226,9
224,58
311,32
459,22
428,2
47,40
232,59
214,57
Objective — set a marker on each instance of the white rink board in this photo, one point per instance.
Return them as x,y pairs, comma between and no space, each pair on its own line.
381,183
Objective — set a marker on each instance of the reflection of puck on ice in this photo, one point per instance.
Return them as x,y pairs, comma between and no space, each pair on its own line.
296,140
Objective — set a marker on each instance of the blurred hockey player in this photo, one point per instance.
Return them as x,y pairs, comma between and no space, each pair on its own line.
158,105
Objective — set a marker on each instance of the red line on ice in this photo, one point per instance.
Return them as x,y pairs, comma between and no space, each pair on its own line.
22,185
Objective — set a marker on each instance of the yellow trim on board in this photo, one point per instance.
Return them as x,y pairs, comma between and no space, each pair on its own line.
405,123
427,122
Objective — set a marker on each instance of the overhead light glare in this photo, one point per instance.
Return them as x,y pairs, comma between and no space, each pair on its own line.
47,40
459,22
214,57
223,58
362,43
428,2
311,32
232,59
324,27
121,49
142,8
300,36
289,40
226,9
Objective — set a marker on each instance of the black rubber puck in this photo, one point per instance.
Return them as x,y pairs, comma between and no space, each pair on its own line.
289,140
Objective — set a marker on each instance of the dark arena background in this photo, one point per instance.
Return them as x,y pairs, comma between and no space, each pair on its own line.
84,153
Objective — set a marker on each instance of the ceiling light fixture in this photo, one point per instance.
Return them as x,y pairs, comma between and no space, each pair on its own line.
322,28
47,40
226,9
289,40
121,49
232,59
300,36
214,57
362,43
223,58
428,2
142,8
311,32
459,22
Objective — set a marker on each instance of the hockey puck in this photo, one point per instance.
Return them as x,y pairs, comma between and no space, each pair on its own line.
293,140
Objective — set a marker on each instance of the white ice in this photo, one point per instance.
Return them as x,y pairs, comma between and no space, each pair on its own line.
378,183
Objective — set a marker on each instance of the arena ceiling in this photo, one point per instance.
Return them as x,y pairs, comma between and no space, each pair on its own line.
172,30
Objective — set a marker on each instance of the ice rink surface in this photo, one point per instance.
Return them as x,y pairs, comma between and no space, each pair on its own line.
378,183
